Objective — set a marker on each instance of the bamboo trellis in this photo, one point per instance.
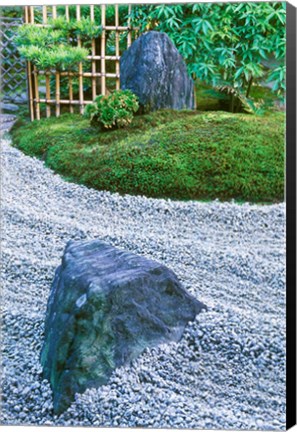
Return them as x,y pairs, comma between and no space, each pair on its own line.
12,67
97,58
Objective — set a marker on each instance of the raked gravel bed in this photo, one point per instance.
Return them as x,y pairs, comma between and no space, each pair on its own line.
228,371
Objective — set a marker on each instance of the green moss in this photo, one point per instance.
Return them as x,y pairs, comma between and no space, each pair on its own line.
174,154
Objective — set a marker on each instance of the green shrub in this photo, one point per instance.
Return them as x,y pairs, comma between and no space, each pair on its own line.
113,111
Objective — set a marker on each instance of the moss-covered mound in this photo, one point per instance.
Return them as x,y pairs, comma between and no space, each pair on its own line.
173,154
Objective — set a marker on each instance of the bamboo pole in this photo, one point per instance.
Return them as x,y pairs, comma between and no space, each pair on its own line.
37,103
70,93
41,25
64,101
30,88
47,94
80,69
44,14
69,77
96,57
26,14
34,78
29,72
129,41
92,16
84,74
103,69
117,47
32,14
58,110
47,77
58,94
120,28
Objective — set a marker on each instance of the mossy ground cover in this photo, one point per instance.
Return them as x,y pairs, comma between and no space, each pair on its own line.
169,154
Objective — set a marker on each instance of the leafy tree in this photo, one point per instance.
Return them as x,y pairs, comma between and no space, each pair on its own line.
230,45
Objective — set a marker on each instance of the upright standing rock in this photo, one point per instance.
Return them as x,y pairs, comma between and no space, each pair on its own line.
105,307
154,70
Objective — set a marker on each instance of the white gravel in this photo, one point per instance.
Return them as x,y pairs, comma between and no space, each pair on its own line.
228,371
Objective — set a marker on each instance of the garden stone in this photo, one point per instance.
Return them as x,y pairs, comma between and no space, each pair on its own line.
154,70
21,99
8,107
105,307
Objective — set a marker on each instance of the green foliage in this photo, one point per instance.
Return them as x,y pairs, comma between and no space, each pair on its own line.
58,57
261,99
48,47
113,111
85,28
60,23
57,32
278,75
41,37
168,154
224,44
12,11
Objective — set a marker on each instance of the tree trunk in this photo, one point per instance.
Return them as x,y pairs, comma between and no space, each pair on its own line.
249,87
238,105
232,103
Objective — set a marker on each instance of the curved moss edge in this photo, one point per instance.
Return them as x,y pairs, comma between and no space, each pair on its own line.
181,155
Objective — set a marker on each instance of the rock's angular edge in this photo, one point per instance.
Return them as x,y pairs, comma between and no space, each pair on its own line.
154,70
105,307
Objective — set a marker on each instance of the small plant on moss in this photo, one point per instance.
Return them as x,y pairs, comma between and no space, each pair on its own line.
113,111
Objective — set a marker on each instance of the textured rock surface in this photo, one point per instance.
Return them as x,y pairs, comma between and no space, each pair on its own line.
155,71
106,306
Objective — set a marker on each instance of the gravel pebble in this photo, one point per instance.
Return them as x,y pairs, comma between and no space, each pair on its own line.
228,370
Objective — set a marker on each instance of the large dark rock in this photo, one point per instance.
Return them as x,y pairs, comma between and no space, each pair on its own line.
153,69
106,305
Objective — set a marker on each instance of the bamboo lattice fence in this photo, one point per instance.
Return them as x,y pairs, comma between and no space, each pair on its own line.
97,73
12,70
